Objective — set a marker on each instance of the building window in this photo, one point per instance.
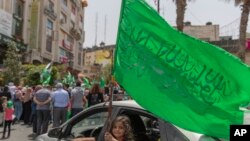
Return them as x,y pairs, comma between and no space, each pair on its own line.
79,54
18,10
70,39
64,2
81,19
51,6
73,9
80,47
72,24
18,19
63,18
17,28
49,35
79,58
62,52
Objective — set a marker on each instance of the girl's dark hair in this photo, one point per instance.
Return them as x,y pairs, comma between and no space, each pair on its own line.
95,89
129,136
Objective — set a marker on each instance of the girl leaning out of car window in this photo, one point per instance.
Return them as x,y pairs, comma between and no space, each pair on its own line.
120,130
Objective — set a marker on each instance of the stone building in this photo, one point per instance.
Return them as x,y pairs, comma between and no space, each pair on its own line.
52,30
208,32
97,60
12,23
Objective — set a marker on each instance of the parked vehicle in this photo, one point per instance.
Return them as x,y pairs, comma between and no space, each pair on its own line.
93,122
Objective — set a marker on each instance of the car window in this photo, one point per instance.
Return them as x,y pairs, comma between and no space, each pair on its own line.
172,133
145,126
89,126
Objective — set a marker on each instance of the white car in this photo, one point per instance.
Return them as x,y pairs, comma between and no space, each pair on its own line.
92,122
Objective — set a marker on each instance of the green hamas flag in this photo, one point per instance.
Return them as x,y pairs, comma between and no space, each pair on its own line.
86,82
102,82
191,83
69,79
45,75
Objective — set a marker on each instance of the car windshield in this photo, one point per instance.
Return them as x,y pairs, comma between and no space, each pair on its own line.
95,120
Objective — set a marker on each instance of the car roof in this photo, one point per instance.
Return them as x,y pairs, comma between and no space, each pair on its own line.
125,103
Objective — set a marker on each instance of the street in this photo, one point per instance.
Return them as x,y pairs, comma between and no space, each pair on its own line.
19,132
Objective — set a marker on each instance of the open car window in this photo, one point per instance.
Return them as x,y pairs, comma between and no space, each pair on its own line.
145,126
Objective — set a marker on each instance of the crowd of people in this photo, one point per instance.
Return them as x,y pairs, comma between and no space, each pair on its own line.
41,105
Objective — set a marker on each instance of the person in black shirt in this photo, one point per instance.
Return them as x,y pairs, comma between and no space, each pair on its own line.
6,92
95,95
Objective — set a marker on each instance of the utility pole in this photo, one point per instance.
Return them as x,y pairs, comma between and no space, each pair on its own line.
96,28
158,6
105,28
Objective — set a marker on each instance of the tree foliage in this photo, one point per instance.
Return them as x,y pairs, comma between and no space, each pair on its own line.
32,74
106,72
12,65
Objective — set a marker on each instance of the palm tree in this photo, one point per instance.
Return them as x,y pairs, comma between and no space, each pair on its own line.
245,4
180,12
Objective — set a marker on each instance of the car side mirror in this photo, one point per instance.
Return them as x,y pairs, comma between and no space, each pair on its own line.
55,132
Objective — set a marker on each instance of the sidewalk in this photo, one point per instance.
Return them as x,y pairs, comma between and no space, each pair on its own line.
19,132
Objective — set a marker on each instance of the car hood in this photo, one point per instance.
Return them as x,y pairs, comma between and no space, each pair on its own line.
45,137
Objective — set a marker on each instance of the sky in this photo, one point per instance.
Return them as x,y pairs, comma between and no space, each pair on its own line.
198,12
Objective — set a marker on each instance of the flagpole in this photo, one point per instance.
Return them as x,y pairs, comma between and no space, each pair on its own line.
111,85
110,102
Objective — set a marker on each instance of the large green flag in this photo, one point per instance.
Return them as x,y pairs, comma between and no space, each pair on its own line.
191,83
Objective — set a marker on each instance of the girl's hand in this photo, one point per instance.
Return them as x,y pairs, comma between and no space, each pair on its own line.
109,137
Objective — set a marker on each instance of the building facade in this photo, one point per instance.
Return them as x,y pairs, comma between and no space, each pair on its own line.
208,32
98,60
53,30
12,21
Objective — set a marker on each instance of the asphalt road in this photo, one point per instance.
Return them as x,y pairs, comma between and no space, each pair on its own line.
19,132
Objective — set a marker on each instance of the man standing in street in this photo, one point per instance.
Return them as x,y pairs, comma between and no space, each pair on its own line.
78,100
60,100
42,98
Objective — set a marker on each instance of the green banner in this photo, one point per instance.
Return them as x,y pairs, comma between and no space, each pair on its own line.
186,81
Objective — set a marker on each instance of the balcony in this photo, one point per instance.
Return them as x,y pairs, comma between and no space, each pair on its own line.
50,12
75,33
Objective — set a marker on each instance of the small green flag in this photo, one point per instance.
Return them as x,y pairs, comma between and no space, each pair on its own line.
86,82
69,79
102,82
45,75
186,81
